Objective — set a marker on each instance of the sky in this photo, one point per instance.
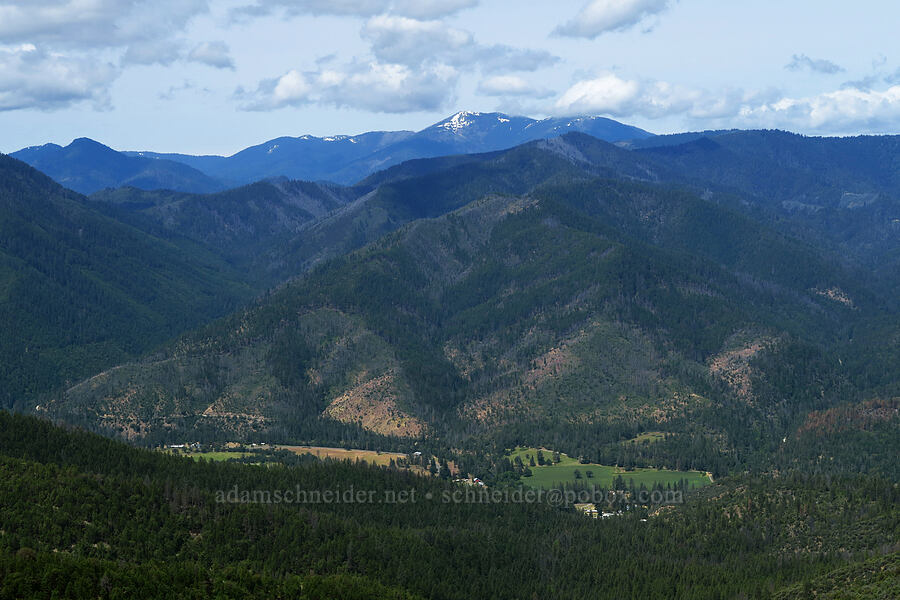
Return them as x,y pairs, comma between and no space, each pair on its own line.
216,76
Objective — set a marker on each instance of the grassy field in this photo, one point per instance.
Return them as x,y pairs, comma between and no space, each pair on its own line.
553,475
648,437
369,456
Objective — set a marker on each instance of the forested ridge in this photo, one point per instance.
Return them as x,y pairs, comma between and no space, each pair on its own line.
80,292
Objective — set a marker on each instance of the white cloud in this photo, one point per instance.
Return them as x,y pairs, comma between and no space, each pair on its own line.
800,62
411,42
602,16
610,94
376,87
417,9
33,78
74,34
95,23
415,65
511,85
214,54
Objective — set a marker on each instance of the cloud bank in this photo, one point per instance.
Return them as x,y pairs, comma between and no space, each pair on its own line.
844,111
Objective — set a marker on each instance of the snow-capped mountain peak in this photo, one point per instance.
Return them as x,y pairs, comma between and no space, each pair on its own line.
459,121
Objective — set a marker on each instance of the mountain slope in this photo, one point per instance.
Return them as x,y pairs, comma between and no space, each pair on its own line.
588,302
87,166
841,193
428,188
80,291
247,226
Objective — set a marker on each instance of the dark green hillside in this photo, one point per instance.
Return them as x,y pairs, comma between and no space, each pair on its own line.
582,314
84,516
80,292
843,194
247,226
430,188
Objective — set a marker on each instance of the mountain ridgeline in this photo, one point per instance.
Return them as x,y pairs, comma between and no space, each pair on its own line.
87,166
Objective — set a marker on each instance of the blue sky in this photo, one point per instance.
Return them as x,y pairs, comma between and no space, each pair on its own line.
215,76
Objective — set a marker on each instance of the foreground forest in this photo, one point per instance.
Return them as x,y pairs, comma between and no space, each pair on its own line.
84,516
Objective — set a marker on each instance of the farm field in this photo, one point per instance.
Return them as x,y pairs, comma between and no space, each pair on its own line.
554,475
370,456
373,457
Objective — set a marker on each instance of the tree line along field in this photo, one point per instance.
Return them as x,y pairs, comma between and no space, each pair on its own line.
568,470
371,457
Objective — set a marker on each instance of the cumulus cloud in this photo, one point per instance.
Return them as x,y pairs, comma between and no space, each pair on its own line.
415,65
511,85
377,87
613,95
95,23
34,78
801,62
417,9
213,54
73,34
412,42
603,16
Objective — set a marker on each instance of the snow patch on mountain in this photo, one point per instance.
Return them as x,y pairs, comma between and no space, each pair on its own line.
459,121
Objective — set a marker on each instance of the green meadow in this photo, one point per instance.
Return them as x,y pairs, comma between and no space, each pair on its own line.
557,474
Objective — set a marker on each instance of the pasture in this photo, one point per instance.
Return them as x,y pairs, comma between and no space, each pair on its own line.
567,470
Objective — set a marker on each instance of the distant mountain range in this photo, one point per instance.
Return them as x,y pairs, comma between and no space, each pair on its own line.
87,166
